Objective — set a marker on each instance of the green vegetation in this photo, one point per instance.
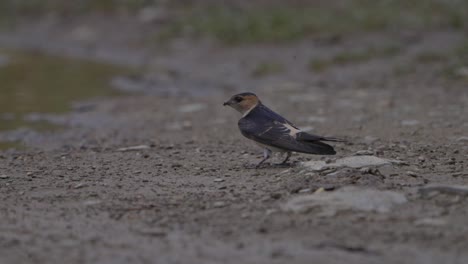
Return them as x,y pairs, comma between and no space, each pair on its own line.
266,68
347,57
234,23
60,7
274,24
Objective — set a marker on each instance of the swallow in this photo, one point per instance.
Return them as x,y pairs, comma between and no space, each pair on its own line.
273,132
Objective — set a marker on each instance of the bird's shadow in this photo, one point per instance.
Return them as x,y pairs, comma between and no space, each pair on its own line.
269,165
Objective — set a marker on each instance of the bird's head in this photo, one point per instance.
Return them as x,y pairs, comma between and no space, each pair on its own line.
243,102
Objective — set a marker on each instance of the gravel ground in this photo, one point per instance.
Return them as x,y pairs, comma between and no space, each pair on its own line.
186,196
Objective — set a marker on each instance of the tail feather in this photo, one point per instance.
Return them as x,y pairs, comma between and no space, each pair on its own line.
333,139
302,136
320,148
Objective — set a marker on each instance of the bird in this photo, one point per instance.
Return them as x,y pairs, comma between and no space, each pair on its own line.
273,132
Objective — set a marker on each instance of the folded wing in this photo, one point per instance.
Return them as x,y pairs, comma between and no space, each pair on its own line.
285,136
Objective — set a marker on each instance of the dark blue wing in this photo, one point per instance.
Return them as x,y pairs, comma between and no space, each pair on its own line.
268,131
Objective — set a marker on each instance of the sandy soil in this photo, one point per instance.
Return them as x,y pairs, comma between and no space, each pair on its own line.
188,198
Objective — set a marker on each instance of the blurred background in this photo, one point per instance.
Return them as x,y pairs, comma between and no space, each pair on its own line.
54,52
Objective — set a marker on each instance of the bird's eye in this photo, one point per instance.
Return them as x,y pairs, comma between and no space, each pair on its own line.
238,99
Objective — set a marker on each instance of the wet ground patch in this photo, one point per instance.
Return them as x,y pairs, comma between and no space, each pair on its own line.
35,83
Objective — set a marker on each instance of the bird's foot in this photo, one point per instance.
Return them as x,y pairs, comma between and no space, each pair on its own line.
283,164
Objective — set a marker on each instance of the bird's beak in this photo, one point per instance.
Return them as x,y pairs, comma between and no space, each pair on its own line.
226,103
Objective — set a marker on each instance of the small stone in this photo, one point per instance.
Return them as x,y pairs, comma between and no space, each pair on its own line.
219,204
80,185
463,139
218,180
4,176
306,190
412,174
271,211
364,152
365,170
245,215
430,222
134,148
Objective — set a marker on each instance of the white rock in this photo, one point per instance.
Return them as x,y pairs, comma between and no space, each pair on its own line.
219,204
462,139
134,148
190,108
351,162
364,152
347,198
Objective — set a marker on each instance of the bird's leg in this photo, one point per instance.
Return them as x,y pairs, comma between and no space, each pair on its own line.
288,155
266,155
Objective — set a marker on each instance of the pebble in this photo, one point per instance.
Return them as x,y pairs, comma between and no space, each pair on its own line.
218,180
219,204
364,152
4,176
134,148
412,173
80,185
430,222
